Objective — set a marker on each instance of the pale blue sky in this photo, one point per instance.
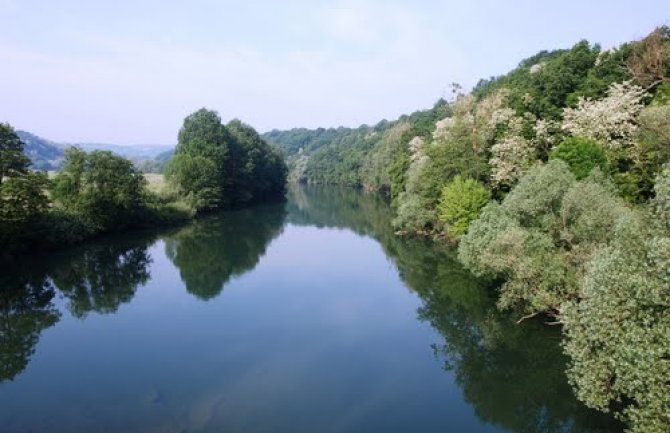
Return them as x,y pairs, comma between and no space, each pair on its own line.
129,71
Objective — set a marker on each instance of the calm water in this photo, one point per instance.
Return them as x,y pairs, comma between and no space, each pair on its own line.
310,316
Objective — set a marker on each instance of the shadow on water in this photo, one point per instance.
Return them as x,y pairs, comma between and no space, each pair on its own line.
512,375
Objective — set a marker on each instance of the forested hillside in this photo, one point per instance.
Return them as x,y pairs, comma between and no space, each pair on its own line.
44,154
554,179
367,156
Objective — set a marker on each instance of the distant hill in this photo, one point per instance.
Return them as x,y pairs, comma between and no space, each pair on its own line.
299,140
157,164
45,154
48,155
135,151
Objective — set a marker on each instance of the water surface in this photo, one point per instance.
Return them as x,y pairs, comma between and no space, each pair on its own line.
308,316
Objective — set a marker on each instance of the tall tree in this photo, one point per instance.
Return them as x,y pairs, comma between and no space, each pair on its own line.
217,166
12,159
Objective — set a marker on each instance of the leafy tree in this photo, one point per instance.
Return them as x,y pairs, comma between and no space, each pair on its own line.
199,164
22,199
650,58
610,120
197,177
546,83
617,334
541,236
219,166
455,150
511,158
23,202
461,202
13,161
103,187
582,155
652,146
257,170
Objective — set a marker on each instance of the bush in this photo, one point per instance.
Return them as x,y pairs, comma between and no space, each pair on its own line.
617,335
540,238
582,155
103,187
461,202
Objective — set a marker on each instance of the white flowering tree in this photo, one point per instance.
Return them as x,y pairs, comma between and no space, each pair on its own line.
510,159
611,120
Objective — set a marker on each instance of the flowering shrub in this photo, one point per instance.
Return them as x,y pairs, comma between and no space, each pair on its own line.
611,120
510,158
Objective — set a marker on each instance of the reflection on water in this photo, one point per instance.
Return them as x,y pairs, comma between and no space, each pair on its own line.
317,331
210,252
102,277
26,309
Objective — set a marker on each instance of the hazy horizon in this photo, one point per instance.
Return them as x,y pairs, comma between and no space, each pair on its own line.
129,72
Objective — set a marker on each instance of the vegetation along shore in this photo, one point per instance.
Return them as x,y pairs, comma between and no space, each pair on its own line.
552,181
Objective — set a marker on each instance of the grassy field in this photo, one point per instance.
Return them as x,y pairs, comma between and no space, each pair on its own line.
156,181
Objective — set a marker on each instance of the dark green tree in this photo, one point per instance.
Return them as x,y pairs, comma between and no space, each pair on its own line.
105,188
582,155
12,159
217,166
23,202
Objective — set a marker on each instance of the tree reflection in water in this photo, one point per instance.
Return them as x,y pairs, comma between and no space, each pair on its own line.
513,375
102,277
211,251
26,309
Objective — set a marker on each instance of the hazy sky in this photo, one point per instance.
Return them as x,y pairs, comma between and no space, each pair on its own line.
128,71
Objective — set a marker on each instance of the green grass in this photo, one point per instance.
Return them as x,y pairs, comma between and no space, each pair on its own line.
156,182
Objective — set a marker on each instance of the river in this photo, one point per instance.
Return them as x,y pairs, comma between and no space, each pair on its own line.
306,316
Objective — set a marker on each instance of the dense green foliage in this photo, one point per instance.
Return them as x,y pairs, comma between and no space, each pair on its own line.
104,188
101,192
13,162
553,174
541,236
582,155
372,157
219,166
570,145
461,202
617,335
23,203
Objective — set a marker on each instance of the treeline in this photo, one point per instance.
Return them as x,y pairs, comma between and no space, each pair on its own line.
359,157
555,181
215,167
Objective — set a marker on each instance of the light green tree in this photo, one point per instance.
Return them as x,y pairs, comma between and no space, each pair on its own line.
461,202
